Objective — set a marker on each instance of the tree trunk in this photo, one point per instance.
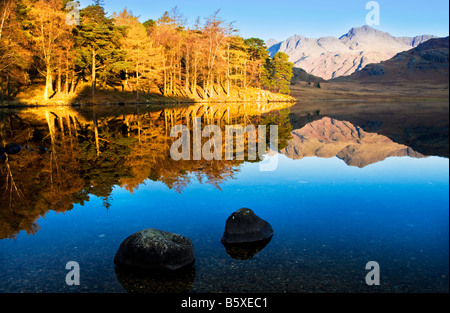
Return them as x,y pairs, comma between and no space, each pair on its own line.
245,75
48,83
165,81
1,88
228,71
59,77
97,145
187,72
137,81
4,17
93,73
72,83
171,76
7,85
66,83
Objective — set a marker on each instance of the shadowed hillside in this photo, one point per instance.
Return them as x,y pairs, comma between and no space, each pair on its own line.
428,62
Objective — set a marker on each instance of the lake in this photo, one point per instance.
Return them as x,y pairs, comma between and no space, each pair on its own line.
354,182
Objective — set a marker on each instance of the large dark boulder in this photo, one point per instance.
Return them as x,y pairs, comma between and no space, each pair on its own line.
156,251
243,226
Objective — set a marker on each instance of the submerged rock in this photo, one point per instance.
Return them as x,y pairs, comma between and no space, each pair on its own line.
155,250
244,226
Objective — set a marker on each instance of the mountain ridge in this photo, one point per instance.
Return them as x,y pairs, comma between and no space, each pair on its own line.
330,57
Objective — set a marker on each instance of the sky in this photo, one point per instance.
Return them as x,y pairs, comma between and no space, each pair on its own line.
280,19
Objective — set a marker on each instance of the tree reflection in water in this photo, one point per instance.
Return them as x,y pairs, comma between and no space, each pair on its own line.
68,154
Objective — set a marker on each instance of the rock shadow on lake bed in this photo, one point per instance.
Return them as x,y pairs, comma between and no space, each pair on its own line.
134,281
246,251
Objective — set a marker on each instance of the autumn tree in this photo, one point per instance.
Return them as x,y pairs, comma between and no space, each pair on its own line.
140,51
15,54
50,31
214,32
194,58
164,36
205,60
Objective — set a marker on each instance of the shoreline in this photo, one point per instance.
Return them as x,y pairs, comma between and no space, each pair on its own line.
330,92
30,98
17,105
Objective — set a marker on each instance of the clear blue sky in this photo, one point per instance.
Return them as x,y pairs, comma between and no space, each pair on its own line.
280,19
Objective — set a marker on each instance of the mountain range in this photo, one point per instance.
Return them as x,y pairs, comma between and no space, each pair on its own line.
331,57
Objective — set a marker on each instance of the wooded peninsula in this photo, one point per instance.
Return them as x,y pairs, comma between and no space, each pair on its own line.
49,55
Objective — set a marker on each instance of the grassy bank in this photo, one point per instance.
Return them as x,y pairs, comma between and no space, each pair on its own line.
394,92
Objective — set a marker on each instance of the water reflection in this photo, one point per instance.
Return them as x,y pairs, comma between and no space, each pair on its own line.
246,251
329,137
424,126
68,154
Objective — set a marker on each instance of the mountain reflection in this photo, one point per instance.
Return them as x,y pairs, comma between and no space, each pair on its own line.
69,154
328,137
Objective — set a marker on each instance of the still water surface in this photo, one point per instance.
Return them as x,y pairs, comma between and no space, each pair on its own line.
354,184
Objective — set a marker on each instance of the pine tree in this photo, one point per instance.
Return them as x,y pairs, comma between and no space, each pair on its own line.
282,73
98,46
259,62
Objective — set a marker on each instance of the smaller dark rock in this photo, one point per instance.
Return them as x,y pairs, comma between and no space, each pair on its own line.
244,226
12,148
3,158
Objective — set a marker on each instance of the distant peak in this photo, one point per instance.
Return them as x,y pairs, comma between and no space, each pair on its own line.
364,28
363,31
